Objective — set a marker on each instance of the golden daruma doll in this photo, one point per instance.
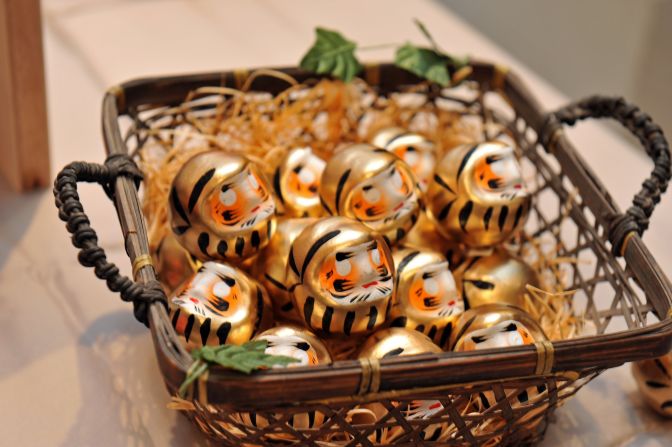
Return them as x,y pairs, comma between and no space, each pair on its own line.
416,150
496,278
304,346
500,326
296,182
221,207
478,196
271,267
654,380
394,342
220,304
426,297
341,276
374,187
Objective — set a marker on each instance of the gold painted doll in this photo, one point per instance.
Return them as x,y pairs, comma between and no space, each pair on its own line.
221,207
478,196
426,297
496,278
341,276
304,346
374,187
219,304
296,182
416,150
395,342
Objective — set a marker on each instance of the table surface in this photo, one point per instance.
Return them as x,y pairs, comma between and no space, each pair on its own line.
75,368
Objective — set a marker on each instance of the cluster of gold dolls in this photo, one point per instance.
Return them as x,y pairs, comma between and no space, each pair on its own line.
373,244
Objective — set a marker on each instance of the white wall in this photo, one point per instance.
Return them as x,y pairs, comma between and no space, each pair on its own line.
621,47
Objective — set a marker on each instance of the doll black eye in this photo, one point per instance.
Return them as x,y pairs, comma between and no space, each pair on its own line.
297,169
303,346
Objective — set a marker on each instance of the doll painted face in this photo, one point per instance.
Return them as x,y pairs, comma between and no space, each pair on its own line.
374,187
341,276
220,207
500,174
385,198
291,346
502,335
426,297
241,202
357,274
433,291
296,182
416,150
219,304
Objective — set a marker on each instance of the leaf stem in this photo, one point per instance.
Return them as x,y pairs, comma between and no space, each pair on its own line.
195,371
425,32
377,47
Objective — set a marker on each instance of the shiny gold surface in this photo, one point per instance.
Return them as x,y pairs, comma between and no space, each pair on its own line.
654,380
271,267
416,150
374,187
425,235
220,304
173,263
426,297
393,342
495,326
495,278
296,342
478,196
296,181
221,207
341,276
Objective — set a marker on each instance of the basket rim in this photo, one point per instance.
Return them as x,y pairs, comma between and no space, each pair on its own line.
584,354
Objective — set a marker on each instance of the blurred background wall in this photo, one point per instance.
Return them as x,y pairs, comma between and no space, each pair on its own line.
621,47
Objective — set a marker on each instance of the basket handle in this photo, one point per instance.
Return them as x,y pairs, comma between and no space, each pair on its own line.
650,135
71,211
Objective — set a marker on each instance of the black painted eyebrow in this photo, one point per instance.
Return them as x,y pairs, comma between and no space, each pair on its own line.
428,275
367,187
372,245
298,168
227,279
343,255
226,187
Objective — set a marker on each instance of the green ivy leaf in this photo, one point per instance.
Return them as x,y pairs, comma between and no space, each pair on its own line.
245,358
424,62
332,54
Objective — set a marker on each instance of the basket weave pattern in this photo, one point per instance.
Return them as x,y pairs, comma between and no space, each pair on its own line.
486,398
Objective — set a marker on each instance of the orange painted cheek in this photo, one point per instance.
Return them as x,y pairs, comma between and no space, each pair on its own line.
417,295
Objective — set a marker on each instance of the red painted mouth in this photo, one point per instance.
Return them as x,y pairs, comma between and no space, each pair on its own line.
369,284
518,186
436,405
398,207
253,210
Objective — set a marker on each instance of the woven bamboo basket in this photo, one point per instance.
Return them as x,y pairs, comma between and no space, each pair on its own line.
624,295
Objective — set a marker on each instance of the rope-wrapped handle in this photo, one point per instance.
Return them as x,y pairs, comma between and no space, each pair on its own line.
71,211
650,135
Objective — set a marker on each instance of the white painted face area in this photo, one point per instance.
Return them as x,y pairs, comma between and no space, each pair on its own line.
301,183
502,335
433,291
290,346
384,198
359,274
241,201
212,292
